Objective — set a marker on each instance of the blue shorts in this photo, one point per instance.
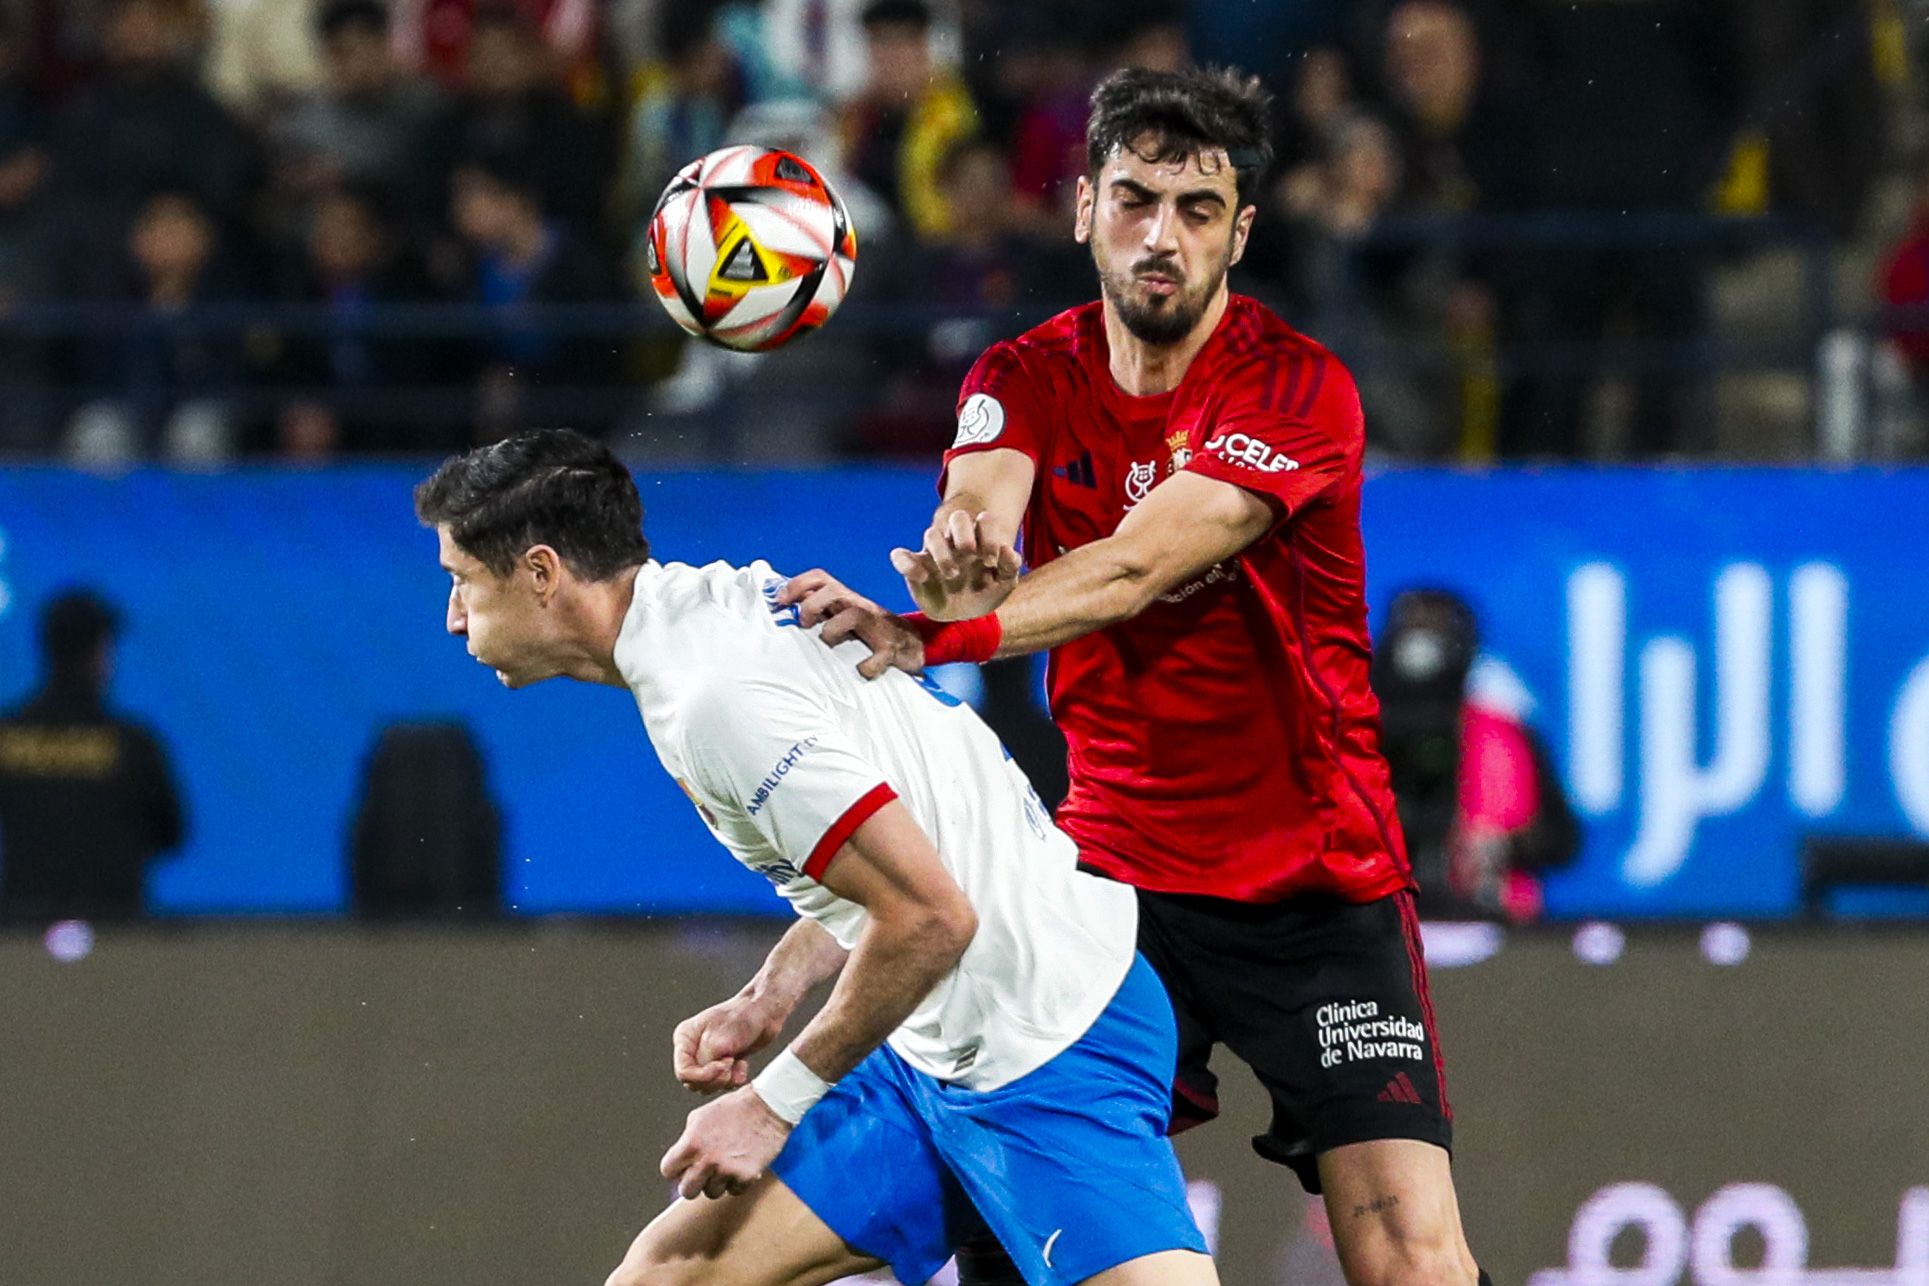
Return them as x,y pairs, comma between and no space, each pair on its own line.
1069,1165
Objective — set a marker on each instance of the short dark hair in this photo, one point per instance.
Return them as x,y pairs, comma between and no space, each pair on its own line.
73,627
914,14
1187,113
554,487
338,16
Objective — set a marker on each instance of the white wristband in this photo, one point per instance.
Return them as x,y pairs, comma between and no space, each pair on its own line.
789,1088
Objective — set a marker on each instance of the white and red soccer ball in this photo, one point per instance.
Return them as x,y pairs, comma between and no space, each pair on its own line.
749,248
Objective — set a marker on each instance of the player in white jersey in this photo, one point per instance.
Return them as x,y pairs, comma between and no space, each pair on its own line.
994,1052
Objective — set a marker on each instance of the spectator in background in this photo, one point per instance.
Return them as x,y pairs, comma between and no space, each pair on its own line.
525,259
439,37
1371,301
1638,107
366,126
822,46
262,54
147,125
1045,76
513,104
1483,810
682,107
166,376
908,115
1149,34
1902,285
344,380
1466,147
971,278
25,240
87,798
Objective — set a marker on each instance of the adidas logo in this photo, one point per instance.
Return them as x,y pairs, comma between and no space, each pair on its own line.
1079,472
1399,1090
743,264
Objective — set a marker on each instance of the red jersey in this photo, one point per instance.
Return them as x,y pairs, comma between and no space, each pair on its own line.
1224,741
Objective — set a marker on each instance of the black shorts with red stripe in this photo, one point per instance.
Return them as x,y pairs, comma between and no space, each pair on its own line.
1326,1001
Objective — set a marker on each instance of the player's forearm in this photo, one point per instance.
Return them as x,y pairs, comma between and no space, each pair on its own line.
802,958
897,962
1074,595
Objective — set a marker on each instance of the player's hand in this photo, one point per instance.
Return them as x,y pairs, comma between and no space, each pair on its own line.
967,567
822,599
710,1049
726,1145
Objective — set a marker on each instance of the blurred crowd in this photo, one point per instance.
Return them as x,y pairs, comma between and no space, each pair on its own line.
304,228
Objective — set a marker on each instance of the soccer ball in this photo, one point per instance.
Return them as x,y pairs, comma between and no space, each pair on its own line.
749,248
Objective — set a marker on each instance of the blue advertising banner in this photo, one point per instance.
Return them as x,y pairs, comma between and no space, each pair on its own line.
1723,661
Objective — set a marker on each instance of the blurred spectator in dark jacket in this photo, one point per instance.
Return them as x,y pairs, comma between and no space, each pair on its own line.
87,798
349,381
25,244
367,125
165,374
513,104
908,115
525,261
147,124
1639,103
969,285
1482,807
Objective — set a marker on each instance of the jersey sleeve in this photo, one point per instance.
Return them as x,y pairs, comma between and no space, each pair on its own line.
764,754
999,407
1290,429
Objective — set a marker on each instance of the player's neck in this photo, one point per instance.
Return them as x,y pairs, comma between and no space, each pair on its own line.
1146,370
603,610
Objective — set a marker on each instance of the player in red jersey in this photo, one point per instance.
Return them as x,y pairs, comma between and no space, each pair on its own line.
1186,472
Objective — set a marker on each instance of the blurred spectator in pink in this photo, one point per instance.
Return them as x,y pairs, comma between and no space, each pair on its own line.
1483,809
908,115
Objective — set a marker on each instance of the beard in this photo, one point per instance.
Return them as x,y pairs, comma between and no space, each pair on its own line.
1152,318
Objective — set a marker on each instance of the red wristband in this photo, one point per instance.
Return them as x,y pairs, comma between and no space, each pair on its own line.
945,642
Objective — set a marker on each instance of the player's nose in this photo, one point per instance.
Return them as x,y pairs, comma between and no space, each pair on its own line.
1162,233
458,620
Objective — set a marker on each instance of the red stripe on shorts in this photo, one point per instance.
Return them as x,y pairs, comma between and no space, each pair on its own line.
1417,957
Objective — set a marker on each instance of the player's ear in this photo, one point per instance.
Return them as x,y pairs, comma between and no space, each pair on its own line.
1082,221
1242,226
544,566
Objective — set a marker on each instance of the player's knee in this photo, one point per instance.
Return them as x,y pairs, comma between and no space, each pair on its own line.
649,1264
1424,1260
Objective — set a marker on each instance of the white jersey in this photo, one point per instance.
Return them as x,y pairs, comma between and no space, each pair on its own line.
785,749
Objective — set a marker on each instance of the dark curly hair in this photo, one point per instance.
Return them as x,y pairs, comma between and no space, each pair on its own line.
552,487
1180,115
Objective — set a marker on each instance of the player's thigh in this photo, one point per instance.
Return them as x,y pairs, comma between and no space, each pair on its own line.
1167,1268
1330,1010
1395,1217
764,1236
